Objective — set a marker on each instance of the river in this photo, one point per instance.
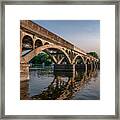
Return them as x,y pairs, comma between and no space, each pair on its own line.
45,84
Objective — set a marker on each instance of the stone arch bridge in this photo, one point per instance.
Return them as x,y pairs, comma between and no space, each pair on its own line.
35,39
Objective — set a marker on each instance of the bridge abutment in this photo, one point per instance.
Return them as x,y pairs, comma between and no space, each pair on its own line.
24,72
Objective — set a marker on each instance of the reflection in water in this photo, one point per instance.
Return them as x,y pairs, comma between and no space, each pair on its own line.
62,85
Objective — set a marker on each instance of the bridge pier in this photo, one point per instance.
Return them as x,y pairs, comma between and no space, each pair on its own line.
64,67
69,67
95,65
24,72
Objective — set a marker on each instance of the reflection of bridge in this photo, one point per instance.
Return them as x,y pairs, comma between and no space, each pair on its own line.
35,39
64,85
64,89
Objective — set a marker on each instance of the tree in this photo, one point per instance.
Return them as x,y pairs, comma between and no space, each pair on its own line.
42,58
94,54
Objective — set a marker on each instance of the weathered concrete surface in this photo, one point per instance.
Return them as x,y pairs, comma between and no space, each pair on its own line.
24,72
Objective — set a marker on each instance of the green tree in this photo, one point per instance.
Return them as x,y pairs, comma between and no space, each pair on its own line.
42,58
94,54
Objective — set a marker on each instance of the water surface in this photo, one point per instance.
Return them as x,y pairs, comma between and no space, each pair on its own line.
45,84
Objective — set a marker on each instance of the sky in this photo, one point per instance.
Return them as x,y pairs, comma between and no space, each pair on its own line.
84,34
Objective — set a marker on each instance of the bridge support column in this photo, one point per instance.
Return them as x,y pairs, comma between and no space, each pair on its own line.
33,43
24,72
96,66
85,63
91,66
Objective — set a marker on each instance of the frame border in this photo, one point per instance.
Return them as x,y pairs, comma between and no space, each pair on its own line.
62,2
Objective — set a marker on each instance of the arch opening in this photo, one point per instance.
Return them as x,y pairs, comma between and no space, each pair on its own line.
38,43
80,63
46,43
49,48
27,44
41,60
67,51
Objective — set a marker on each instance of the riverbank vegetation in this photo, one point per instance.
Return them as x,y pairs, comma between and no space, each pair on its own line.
42,58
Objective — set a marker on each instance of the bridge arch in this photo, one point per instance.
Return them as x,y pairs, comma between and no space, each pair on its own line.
38,43
27,42
77,56
36,51
46,43
67,51
79,62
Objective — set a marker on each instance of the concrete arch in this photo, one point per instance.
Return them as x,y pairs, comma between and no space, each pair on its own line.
27,42
46,43
67,51
88,61
77,57
27,34
38,43
36,51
